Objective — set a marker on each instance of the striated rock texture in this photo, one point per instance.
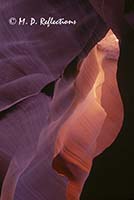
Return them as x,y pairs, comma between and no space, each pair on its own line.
93,119
62,134
60,105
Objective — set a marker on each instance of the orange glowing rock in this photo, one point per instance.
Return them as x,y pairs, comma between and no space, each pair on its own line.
94,118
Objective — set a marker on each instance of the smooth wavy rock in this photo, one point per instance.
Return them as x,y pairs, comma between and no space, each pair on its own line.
92,121
80,122
47,145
